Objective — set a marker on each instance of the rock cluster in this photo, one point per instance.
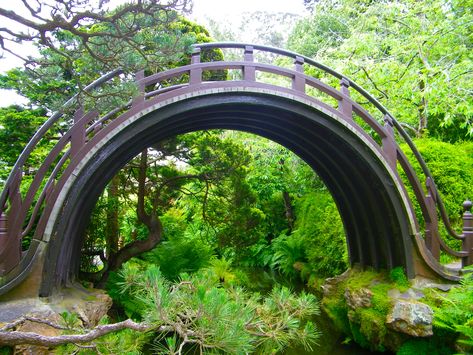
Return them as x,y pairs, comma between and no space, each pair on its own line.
89,305
380,317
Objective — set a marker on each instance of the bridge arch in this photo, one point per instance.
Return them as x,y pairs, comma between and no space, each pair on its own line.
359,168
378,224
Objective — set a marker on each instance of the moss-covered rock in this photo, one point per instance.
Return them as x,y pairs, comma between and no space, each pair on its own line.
412,318
383,311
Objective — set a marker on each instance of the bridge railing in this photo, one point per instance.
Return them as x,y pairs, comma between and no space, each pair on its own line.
19,215
429,200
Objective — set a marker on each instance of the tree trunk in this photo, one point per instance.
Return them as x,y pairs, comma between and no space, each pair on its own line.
151,221
112,230
289,210
422,110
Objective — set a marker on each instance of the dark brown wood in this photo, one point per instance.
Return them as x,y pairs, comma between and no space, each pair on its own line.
6,264
431,227
389,144
249,71
196,71
467,234
298,82
344,105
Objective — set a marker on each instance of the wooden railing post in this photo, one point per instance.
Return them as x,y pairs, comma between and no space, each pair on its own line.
345,106
432,226
3,242
389,145
249,72
141,89
196,73
78,135
298,83
467,234
10,247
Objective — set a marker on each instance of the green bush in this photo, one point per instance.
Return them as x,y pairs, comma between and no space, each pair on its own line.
320,230
423,346
399,277
179,255
454,312
451,166
6,350
289,255
175,256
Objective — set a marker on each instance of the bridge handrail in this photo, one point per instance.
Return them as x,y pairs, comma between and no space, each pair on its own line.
438,199
44,128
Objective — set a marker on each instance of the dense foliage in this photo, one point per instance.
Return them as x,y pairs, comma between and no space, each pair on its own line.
454,313
17,126
414,56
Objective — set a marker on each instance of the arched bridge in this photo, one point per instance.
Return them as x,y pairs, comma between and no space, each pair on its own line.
298,103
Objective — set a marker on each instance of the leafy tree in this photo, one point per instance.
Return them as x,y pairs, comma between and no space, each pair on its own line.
414,56
262,27
17,126
55,77
318,33
109,36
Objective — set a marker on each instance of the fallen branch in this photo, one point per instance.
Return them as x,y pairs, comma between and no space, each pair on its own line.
12,338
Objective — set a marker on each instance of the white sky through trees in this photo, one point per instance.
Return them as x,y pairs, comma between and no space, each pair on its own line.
225,12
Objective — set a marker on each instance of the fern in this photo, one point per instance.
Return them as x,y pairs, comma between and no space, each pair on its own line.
455,313
289,254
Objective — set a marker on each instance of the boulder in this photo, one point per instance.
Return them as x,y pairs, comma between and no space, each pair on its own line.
90,305
412,318
330,286
91,311
359,298
421,283
39,328
410,294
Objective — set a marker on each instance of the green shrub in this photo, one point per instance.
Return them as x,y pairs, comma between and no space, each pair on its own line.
289,254
320,230
451,166
398,276
423,346
454,312
178,255
6,350
174,257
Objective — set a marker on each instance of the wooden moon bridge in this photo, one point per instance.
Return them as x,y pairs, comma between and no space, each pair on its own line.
299,103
